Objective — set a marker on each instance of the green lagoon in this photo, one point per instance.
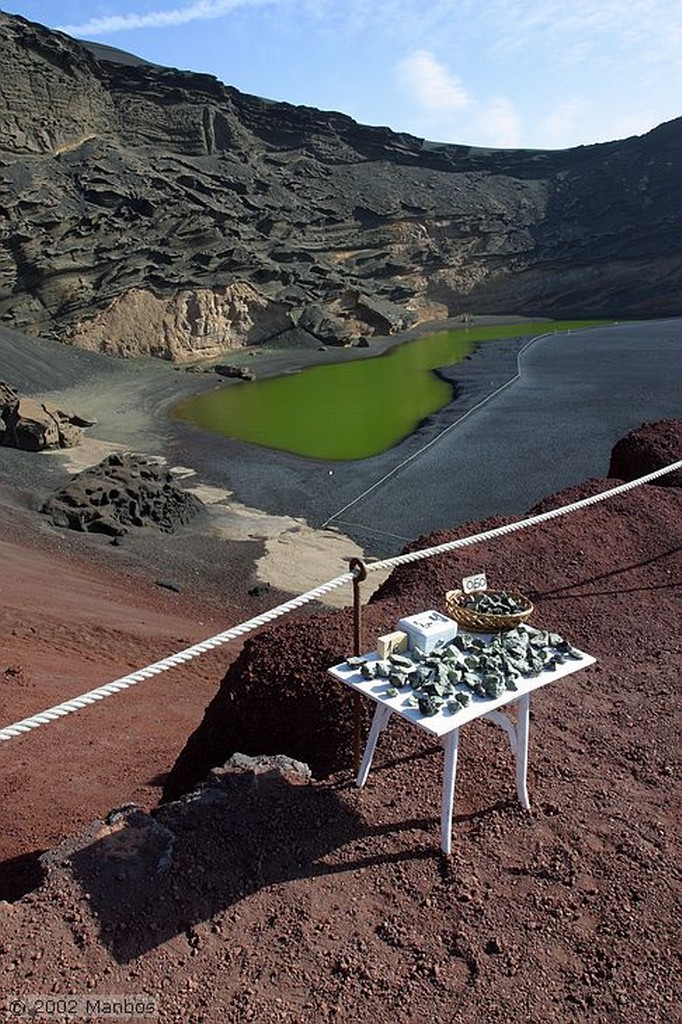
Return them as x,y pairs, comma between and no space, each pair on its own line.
348,410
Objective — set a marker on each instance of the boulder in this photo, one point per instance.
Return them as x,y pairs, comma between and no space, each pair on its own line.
32,425
240,372
265,767
373,315
325,326
649,447
121,492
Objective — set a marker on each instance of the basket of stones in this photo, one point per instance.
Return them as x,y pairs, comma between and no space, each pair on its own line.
487,611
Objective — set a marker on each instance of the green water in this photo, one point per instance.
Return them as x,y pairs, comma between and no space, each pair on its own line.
348,410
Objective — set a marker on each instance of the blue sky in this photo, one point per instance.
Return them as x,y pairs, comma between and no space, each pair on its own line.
505,73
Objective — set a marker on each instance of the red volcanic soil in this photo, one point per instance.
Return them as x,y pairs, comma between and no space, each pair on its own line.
68,626
268,900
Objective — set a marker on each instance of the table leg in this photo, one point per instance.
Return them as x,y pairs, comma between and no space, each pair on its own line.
379,723
522,750
451,743
505,723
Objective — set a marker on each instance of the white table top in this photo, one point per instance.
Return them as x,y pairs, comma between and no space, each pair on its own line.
444,721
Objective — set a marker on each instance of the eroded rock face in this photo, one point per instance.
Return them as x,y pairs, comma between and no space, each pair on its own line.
193,323
33,425
153,211
646,449
121,492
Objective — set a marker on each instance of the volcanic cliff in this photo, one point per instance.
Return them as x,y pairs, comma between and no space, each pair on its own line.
147,210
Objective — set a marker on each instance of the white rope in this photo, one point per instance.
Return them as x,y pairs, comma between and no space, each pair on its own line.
521,524
92,696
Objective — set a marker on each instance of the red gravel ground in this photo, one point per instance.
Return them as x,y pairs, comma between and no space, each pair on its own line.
318,902
69,624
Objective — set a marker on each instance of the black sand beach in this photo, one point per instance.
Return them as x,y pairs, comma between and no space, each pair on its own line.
505,442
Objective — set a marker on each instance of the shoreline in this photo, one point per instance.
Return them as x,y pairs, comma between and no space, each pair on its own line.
262,530
131,401
273,362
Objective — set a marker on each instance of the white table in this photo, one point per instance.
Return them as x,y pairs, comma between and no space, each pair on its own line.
446,725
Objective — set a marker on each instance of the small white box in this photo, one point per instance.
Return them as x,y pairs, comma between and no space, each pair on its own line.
392,643
429,631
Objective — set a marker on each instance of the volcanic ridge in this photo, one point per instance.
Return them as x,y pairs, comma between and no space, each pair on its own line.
151,211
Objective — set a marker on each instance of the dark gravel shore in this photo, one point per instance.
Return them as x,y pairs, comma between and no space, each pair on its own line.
501,445
494,450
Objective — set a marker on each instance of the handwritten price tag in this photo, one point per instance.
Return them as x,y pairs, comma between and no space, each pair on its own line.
477,582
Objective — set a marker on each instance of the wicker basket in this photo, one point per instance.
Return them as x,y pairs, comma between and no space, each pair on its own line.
480,622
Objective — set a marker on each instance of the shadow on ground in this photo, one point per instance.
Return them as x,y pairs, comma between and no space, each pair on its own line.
150,878
20,875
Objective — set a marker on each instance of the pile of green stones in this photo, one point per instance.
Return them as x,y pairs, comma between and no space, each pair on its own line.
484,668
493,603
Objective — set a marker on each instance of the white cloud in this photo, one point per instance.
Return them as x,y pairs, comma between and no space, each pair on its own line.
500,123
200,10
604,32
437,95
565,124
431,84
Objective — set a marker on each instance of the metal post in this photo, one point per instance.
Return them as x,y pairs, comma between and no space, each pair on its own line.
359,570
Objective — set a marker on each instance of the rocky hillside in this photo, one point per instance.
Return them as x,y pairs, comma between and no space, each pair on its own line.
576,569
148,210
269,896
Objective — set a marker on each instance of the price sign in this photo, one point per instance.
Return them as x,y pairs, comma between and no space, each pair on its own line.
477,582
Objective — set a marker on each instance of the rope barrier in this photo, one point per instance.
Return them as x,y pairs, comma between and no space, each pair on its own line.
181,657
522,524
92,696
